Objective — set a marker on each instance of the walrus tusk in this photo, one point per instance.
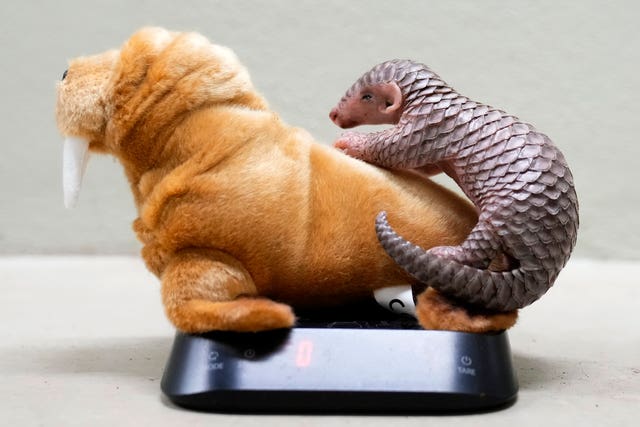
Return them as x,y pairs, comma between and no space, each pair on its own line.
75,155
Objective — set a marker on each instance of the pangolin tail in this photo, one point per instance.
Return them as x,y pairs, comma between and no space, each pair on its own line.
493,290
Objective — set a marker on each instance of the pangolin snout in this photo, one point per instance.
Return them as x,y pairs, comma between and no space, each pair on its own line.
333,115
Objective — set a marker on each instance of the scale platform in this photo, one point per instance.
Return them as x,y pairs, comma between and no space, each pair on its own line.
363,360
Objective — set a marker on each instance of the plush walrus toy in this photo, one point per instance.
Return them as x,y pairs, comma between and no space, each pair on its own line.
241,215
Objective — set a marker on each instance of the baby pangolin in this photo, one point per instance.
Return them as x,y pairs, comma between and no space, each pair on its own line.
515,175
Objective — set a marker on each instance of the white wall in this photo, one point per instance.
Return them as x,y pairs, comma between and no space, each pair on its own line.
570,68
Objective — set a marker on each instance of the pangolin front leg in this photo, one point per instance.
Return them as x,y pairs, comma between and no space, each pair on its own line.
515,175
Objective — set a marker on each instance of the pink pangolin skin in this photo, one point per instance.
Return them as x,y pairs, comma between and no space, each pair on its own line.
515,175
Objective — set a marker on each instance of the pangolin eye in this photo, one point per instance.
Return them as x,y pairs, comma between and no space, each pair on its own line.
367,97
64,75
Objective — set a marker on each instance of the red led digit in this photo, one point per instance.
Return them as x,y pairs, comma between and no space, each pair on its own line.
303,355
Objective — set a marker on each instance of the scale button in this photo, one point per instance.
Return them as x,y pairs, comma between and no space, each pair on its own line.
249,353
466,360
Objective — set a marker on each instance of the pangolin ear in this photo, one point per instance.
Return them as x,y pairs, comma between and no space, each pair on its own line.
392,96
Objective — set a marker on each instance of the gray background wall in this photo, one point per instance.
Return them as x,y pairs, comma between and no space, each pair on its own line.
570,68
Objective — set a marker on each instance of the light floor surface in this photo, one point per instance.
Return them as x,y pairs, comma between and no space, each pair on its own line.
85,340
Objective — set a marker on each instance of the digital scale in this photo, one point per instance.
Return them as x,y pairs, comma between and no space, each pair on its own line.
358,359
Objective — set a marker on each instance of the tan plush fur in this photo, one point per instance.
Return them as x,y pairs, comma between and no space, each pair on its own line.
241,215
